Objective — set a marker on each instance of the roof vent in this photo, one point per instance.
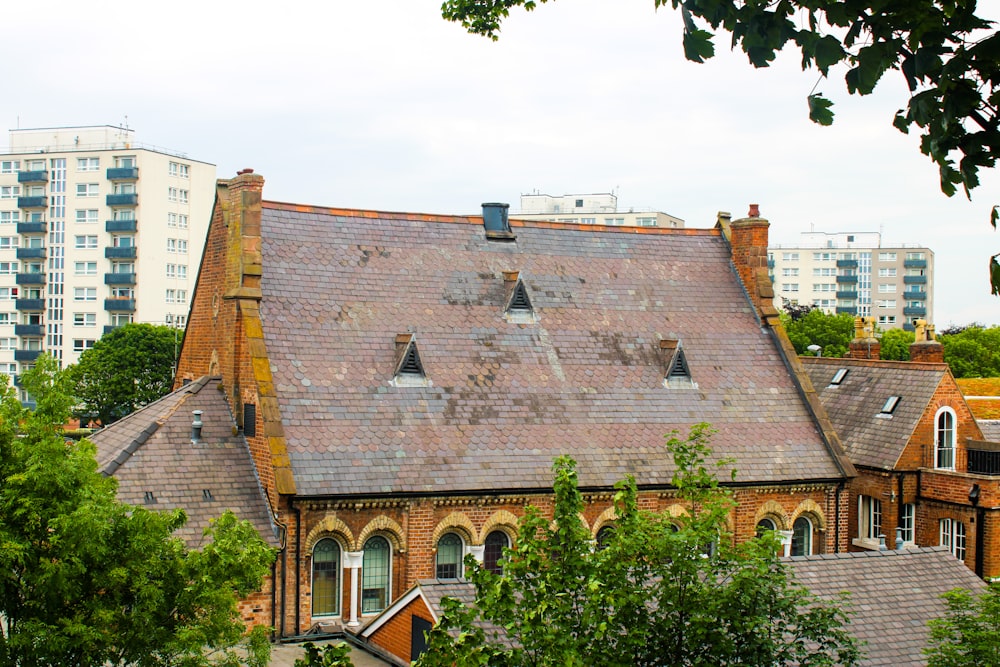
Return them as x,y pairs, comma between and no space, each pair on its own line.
518,308
676,363
496,222
409,369
149,497
196,427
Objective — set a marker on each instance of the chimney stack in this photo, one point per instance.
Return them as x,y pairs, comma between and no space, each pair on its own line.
496,222
925,345
865,345
748,244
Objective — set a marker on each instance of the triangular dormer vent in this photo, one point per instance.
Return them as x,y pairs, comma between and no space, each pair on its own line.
409,368
518,307
677,370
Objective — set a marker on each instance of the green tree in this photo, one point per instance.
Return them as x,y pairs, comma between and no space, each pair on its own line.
127,368
896,344
969,633
661,590
833,333
973,351
948,56
331,655
88,581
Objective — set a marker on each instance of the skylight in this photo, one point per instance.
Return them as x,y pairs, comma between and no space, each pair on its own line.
839,377
890,405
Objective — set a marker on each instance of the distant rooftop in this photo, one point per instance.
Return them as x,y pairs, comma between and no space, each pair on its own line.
79,139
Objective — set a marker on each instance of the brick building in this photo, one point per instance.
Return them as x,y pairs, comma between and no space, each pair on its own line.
926,475
402,383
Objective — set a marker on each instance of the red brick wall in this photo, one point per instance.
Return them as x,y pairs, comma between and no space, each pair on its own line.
919,451
395,636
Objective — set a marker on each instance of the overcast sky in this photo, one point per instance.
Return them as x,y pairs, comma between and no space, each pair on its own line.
382,104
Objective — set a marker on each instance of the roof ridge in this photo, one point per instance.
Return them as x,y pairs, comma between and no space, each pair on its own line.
871,553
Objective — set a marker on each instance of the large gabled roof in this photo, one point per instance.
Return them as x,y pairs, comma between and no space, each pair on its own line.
501,397
855,405
151,452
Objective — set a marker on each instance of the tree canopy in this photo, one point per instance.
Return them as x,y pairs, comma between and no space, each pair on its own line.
86,580
659,589
969,634
127,368
833,333
973,351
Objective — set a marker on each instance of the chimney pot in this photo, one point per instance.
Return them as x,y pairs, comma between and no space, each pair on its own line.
496,222
754,211
196,426
248,170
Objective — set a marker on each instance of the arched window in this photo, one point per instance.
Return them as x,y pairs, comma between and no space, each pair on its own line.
944,439
326,578
802,537
449,556
375,569
495,543
604,536
765,525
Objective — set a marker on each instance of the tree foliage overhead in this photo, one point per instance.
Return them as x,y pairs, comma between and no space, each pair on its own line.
833,333
88,581
127,368
973,351
661,590
948,56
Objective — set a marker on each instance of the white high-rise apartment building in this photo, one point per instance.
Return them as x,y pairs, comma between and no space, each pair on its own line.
853,273
95,231
592,209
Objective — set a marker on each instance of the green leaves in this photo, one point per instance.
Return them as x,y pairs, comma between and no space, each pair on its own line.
967,635
820,109
664,589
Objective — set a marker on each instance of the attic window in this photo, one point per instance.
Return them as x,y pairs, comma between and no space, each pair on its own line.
676,363
409,369
839,377
889,406
518,307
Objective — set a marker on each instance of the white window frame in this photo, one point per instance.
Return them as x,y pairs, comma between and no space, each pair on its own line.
85,319
869,522
944,438
88,164
85,268
951,534
907,525
88,189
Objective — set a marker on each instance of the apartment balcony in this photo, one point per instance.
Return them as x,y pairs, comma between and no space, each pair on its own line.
119,279
29,304
915,296
120,305
30,253
913,311
847,279
108,328
131,199
847,263
32,227
30,278
984,458
29,329
908,327
29,356
851,294
39,176
120,226
770,264
120,253
41,201
850,310
123,173
915,263
914,280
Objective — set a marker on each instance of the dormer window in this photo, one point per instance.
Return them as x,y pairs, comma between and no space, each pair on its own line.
677,370
409,370
518,308
838,377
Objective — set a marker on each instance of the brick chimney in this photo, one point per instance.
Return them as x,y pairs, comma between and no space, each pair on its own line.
865,345
748,243
925,346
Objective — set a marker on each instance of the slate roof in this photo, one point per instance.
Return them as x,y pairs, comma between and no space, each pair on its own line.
854,405
990,429
151,451
504,398
892,595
